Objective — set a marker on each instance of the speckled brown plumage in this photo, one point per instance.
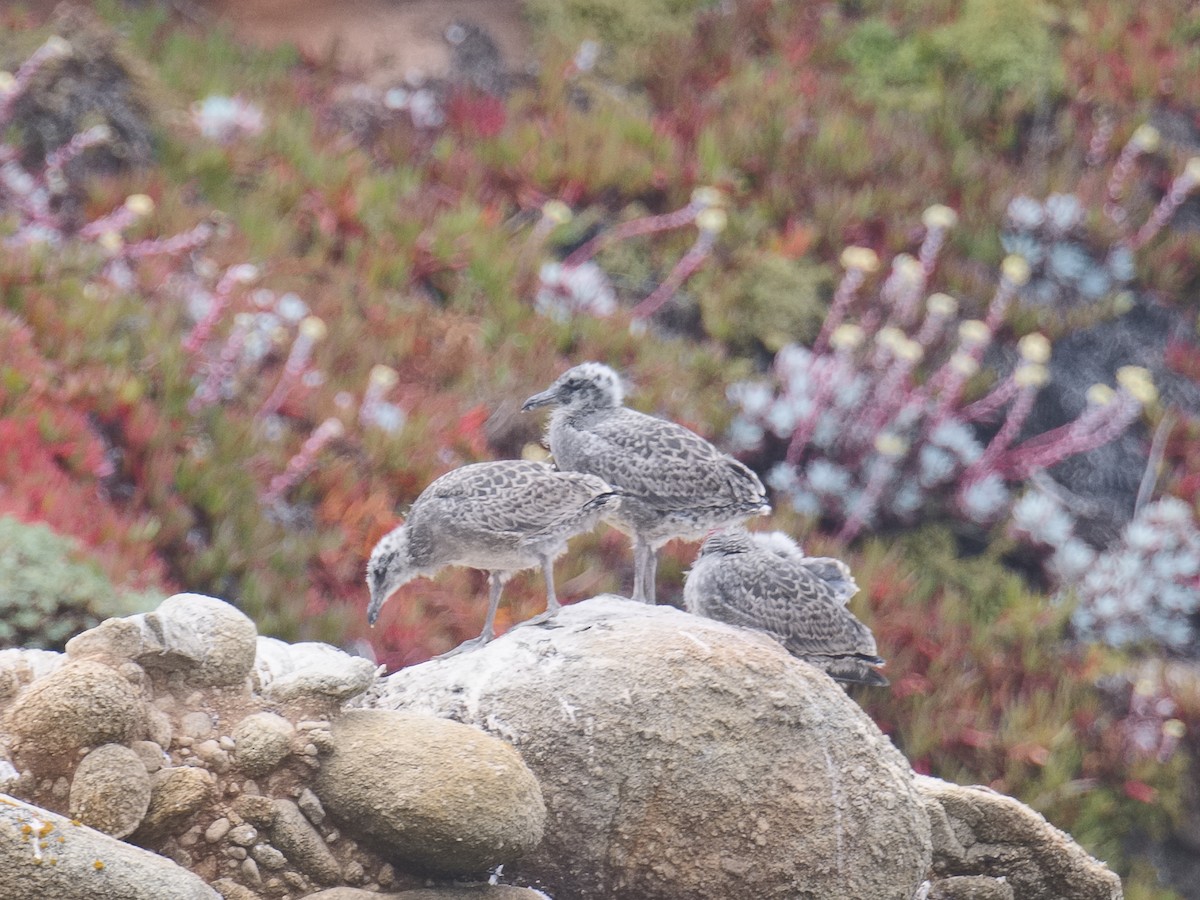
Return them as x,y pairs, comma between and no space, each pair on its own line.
673,483
501,517
764,582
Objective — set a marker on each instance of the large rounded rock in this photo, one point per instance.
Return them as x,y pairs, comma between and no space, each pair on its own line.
81,704
209,639
111,790
442,797
43,855
683,758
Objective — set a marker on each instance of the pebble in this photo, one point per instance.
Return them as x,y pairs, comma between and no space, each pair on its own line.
217,830
267,856
311,806
243,835
250,870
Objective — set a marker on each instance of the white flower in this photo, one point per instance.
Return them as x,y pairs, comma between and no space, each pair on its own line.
224,119
983,499
827,478
566,290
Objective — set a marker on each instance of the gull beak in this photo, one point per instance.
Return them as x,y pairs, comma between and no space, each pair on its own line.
547,397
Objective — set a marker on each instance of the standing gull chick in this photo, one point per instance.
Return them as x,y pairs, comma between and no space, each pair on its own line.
672,482
764,581
501,517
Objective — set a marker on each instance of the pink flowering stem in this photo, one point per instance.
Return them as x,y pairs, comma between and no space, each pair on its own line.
987,462
209,391
931,247
1121,172
293,368
1095,428
684,269
886,400
1180,188
220,300
178,244
84,140
985,408
48,51
1098,145
851,281
298,465
634,228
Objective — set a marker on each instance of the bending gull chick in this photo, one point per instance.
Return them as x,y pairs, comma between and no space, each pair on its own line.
672,482
501,517
764,582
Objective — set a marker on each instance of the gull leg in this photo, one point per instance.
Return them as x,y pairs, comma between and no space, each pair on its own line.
643,570
651,571
552,604
495,586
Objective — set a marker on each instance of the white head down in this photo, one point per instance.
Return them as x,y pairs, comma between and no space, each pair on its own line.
389,569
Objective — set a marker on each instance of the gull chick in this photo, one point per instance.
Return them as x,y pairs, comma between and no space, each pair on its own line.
672,482
764,582
500,517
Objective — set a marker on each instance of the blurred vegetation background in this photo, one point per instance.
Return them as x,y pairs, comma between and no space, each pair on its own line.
253,300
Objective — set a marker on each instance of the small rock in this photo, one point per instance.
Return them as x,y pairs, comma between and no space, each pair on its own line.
311,806
387,875
262,741
158,726
292,671
295,880
971,887
236,852
151,754
82,704
256,809
80,863
111,790
355,873
210,751
268,857
226,742
217,830
250,869
445,797
243,835
175,794
231,890
292,833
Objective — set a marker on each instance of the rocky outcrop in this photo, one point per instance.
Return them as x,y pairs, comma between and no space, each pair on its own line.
185,732
661,755
684,758
977,831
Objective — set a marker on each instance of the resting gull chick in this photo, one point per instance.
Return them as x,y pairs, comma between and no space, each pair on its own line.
501,517
672,482
764,581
